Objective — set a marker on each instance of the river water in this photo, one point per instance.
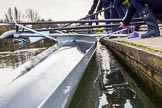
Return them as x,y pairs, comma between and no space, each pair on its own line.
105,84
10,60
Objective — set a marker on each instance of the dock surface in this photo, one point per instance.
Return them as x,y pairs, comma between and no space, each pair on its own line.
155,42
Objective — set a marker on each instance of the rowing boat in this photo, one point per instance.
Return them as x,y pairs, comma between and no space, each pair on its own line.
53,81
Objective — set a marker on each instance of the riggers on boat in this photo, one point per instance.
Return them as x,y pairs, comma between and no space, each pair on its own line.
53,80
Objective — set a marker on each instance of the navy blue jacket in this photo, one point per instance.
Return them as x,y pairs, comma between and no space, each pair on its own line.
94,6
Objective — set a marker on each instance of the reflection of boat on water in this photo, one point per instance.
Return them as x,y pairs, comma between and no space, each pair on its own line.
52,77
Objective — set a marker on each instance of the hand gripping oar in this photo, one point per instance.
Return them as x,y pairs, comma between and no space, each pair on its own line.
34,31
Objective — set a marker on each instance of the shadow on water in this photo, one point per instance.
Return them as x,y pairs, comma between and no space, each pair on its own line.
149,98
106,84
87,94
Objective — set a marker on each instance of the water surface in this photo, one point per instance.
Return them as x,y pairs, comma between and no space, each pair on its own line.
10,59
106,84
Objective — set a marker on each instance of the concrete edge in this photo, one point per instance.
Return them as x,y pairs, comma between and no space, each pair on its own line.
148,63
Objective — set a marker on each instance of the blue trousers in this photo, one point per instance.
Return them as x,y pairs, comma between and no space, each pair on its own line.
155,6
119,8
109,13
106,4
113,13
92,18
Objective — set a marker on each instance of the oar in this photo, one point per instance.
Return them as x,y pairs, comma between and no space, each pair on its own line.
118,31
69,21
80,27
10,33
34,31
90,26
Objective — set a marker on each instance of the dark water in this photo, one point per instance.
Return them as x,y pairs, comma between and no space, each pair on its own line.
106,84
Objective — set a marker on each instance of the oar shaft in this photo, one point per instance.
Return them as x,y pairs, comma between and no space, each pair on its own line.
90,26
73,21
114,32
34,31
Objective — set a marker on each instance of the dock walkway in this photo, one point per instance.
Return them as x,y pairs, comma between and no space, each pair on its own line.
155,43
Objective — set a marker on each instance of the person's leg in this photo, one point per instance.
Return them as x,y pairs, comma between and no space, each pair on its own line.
117,5
155,3
91,18
148,16
136,15
135,34
113,15
106,4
